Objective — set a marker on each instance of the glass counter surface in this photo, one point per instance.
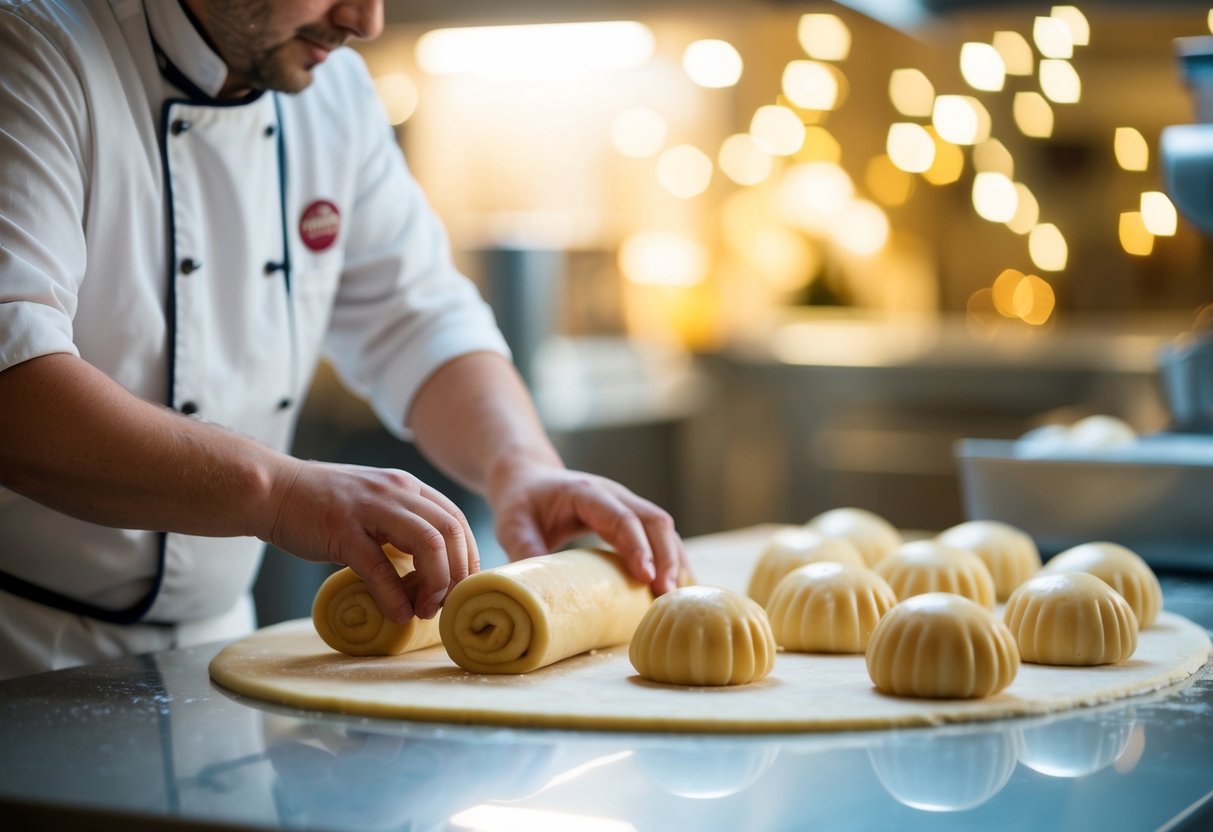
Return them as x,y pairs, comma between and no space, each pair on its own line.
150,743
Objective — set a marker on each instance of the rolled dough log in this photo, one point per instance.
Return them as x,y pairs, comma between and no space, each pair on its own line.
529,614
348,619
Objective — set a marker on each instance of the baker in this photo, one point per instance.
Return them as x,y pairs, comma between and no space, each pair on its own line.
198,200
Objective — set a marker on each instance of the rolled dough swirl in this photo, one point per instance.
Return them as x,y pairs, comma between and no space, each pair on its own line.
348,619
526,615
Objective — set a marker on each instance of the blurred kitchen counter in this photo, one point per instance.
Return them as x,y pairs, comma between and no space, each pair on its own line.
817,410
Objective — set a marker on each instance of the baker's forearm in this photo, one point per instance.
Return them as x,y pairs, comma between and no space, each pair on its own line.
73,439
474,417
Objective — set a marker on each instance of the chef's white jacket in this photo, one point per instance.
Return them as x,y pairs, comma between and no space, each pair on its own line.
204,255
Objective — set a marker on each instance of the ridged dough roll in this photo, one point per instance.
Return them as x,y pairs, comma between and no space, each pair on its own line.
791,548
348,619
1121,568
828,608
1009,553
941,646
703,635
526,615
1071,618
923,566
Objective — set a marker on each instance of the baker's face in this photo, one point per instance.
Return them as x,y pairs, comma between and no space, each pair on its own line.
275,44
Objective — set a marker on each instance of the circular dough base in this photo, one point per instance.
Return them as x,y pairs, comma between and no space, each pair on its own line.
289,664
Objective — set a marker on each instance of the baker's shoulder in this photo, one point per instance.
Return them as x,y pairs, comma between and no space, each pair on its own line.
69,25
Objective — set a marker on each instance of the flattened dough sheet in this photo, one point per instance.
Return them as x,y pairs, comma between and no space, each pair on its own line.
289,664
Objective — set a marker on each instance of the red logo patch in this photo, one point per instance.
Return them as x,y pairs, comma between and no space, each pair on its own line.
319,225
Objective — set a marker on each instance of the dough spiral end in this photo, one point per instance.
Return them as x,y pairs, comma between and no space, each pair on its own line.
348,619
493,628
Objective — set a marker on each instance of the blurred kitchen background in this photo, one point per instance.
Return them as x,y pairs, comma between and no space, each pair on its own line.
758,258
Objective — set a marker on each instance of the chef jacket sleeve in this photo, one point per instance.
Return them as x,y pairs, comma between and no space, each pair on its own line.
42,194
402,308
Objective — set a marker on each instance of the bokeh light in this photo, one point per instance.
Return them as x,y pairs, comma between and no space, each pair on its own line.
811,85
1034,300
638,132
961,119
824,37
910,146
819,146
711,63
889,184
948,164
813,195
994,197
1060,82
1033,115
992,156
399,95
1004,292
1075,21
743,161
1158,214
982,67
861,228
1135,238
1053,38
1027,210
662,258
1132,152
1047,248
1016,53
911,92
778,130
685,171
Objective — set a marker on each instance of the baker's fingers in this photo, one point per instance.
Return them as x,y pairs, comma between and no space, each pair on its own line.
370,563
519,535
614,521
436,540
469,562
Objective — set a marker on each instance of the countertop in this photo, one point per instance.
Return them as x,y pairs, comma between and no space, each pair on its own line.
150,743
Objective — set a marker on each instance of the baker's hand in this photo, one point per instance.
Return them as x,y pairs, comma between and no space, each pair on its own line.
537,507
343,514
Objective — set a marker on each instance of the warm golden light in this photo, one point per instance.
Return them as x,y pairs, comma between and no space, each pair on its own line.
819,146
811,85
994,197
714,64
1047,248
1060,82
1135,238
824,37
778,130
1027,210
1034,300
911,92
398,94
911,147
1211,20
862,228
548,50
1075,21
1158,214
982,67
638,132
1016,53
685,171
890,184
1132,152
992,156
1033,115
1004,292
662,258
948,165
743,161
961,119
812,196
1052,37
783,258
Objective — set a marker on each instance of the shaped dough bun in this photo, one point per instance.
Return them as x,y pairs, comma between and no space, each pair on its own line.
1009,553
868,532
1122,568
1071,618
348,619
791,548
828,608
703,635
928,566
941,646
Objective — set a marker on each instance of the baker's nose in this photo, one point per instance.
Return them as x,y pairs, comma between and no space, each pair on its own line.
361,18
